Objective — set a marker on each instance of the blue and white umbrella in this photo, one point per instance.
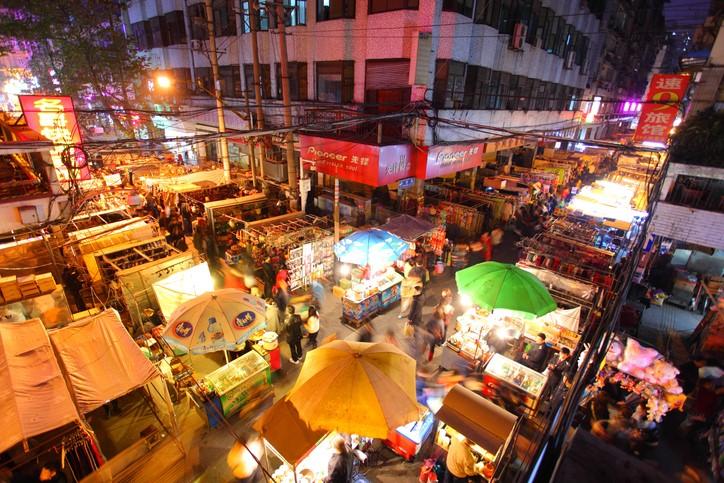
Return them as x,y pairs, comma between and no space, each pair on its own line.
370,247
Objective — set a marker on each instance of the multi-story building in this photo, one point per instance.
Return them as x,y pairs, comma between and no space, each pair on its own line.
515,64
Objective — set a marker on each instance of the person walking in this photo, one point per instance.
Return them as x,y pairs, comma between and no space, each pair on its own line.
435,329
294,335
273,316
312,326
73,284
445,309
406,291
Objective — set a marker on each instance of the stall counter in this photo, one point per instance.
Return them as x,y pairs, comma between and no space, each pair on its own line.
355,310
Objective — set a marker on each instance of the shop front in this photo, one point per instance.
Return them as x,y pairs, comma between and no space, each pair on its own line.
365,166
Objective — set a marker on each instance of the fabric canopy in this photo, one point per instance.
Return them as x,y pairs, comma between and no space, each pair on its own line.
566,318
282,428
478,419
181,287
202,179
552,279
407,227
101,359
34,397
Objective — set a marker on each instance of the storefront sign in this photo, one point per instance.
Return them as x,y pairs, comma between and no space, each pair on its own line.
449,159
54,118
662,105
406,183
363,163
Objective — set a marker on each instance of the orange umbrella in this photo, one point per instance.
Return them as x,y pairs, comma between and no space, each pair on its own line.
356,388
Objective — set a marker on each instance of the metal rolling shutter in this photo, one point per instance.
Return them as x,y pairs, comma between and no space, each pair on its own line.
387,74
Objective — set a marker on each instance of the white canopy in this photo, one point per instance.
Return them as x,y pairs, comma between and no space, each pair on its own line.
34,397
201,179
101,359
181,287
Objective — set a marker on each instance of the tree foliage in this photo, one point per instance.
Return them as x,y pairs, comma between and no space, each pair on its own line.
700,140
79,48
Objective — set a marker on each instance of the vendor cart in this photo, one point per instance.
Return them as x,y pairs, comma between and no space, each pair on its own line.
407,440
489,427
512,384
233,386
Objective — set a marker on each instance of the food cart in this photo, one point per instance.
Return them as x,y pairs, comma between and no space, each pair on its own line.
489,427
299,453
232,386
474,330
34,296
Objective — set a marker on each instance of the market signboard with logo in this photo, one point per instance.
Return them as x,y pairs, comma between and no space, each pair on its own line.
443,160
362,163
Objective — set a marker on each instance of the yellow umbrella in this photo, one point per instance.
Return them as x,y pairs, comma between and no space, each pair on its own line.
356,388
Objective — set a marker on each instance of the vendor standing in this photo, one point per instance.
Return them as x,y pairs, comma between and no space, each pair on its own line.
536,357
460,461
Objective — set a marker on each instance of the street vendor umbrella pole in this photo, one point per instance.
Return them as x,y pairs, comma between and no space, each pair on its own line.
373,246
495,285
356,388
215,321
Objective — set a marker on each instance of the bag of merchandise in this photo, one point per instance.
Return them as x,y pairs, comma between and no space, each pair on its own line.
408,330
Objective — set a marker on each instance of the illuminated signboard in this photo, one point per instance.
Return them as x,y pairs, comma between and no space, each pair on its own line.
663,98
54,118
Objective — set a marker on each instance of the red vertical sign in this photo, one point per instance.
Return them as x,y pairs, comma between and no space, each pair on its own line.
54,118
661,107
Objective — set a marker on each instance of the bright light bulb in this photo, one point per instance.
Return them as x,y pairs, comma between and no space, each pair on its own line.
345,270
163,81
465,300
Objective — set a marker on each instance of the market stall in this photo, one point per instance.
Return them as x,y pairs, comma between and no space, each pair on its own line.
224,216
512,385
182,286
425,238
374,285
34,296
303,241
232,386
298,452
644,372
489,428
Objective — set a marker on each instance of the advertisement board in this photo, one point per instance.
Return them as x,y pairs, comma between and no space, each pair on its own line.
661,107
443,160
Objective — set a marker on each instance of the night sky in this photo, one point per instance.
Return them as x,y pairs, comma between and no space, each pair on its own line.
686,13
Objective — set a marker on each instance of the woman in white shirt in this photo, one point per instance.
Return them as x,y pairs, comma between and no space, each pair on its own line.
312,326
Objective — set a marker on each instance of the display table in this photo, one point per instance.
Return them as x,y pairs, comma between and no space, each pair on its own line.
232,386
512,384
384,293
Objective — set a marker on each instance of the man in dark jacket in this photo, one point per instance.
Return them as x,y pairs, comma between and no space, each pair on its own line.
556,370
294,334
415,316
537,356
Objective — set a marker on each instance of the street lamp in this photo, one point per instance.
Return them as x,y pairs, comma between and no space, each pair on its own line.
163,81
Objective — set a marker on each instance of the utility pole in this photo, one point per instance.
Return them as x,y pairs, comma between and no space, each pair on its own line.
284,61
253,19
252,154
214,61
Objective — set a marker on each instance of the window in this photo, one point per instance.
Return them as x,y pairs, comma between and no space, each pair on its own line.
297,81
175,32
568,39
582,51
539,92
197,18
182,81
230,78
379,6
535,17
464,7
296,13
493,98
476,86
449,87
560,38
488,12
224,18
333,9
157,26
204,80
335,81
265,80
524,93
142,32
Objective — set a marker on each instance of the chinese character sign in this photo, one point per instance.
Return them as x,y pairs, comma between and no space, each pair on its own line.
54,118
662,105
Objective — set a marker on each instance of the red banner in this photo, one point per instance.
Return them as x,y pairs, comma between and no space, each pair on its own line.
661,107
443,160
54,118
363,163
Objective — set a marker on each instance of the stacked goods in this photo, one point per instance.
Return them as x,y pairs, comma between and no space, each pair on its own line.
460,256
13,288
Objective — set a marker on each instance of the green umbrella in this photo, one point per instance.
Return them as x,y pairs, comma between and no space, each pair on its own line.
494,285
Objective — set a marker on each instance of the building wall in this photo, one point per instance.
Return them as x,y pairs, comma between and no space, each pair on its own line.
676,169
47,211
689,225
390,35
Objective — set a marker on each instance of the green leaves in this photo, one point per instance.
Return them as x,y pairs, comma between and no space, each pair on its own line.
700,140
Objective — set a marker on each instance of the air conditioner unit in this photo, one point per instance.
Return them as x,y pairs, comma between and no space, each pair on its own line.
520,30
569,60
197,45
